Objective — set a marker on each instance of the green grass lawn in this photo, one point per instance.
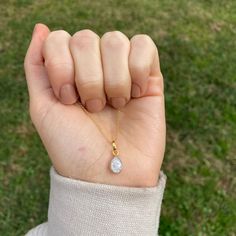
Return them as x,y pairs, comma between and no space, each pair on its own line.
197,47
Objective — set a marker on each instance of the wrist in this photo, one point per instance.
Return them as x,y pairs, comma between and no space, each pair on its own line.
136,172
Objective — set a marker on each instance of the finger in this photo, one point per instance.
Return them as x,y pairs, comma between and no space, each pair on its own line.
115,48
85,49
36,77
144,67
60,67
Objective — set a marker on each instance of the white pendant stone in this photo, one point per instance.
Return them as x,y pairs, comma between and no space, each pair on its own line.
116,165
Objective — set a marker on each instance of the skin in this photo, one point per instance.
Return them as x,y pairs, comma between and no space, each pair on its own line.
103,74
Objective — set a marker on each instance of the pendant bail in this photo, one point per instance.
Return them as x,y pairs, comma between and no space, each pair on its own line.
115,152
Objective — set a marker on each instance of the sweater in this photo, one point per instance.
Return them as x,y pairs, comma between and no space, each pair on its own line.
79,208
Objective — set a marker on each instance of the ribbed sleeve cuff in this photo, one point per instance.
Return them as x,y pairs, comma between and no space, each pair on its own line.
82,208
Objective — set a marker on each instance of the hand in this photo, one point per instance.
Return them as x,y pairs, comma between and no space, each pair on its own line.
107,73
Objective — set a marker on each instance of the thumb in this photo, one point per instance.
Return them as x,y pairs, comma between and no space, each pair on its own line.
36,76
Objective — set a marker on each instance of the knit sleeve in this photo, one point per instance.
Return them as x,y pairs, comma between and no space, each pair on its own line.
81,208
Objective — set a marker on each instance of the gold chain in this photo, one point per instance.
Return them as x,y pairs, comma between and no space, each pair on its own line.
116,163
100,129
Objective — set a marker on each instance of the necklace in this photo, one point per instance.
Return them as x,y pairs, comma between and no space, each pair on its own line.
115,163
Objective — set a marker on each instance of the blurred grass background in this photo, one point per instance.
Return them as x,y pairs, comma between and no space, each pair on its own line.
197,42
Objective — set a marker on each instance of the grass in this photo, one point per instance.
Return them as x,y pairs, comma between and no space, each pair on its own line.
196,41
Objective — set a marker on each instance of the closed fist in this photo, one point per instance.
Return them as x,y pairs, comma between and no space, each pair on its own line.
103,74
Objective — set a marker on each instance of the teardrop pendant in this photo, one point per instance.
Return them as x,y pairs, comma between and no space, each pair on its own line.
116,165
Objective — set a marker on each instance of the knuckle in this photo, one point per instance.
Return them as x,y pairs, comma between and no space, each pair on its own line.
141,40
58,63
54,38
139,67
91,82
85,33
115,39
83,38
54,35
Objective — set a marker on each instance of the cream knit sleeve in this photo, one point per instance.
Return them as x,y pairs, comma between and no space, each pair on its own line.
81,208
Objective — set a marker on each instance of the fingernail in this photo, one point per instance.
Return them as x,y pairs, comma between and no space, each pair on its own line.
94,105
118,102
135,91
68,94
